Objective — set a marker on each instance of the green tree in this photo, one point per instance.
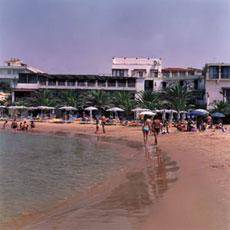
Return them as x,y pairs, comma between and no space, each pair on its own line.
44,98
124,100
149,100
72,98
222,107
178,97
98,98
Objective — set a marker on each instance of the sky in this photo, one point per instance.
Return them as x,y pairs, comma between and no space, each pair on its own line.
82,36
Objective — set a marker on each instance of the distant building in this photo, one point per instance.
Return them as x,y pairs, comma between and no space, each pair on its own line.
217,82
9,73
147,71
128,74
30,82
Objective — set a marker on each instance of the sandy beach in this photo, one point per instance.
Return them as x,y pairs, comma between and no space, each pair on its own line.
198,200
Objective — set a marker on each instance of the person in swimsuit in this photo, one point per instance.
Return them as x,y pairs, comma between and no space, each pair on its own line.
97,124
103,121
146,129
156,127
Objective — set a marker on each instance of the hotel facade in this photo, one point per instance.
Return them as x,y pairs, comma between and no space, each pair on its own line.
132,75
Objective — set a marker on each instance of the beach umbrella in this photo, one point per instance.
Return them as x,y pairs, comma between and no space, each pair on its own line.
91,109
199,112
45,107
218,115
148,113
16,107
138,109
68,108
32,108
115,109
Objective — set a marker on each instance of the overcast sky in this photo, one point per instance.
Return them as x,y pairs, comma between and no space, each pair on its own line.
82,36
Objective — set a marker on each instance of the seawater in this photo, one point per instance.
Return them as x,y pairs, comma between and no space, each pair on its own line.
38,170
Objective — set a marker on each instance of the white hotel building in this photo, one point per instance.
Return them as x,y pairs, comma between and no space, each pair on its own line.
217,82
128,74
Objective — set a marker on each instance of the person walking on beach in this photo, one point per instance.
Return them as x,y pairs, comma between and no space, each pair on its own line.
97,124
146,129
156,127
103,121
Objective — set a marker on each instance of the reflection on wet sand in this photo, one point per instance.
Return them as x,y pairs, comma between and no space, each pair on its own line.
128,204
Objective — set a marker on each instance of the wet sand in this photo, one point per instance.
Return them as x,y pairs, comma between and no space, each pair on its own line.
198,200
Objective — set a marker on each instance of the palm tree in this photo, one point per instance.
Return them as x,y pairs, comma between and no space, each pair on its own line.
98,98
72,98
44,98
149,100
178,97
124,100
222,107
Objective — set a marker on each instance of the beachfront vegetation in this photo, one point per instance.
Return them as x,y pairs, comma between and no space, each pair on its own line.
149,100
222,107
174,97
178,97
124,100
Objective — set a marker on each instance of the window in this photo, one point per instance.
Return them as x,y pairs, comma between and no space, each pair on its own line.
121,83
166,74
61,83
181,83
51,82
140,74
213,72
225,72
91,83
101,83
196,84
81,83
9,71
70,83
32,79
174,74
191,72
226,93
22,79
120,72
42,81
111,83
131,83
164,85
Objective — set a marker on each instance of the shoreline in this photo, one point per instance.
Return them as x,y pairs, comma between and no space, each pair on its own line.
200,199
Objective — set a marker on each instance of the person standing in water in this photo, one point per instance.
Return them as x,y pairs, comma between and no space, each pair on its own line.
156,127
146,129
